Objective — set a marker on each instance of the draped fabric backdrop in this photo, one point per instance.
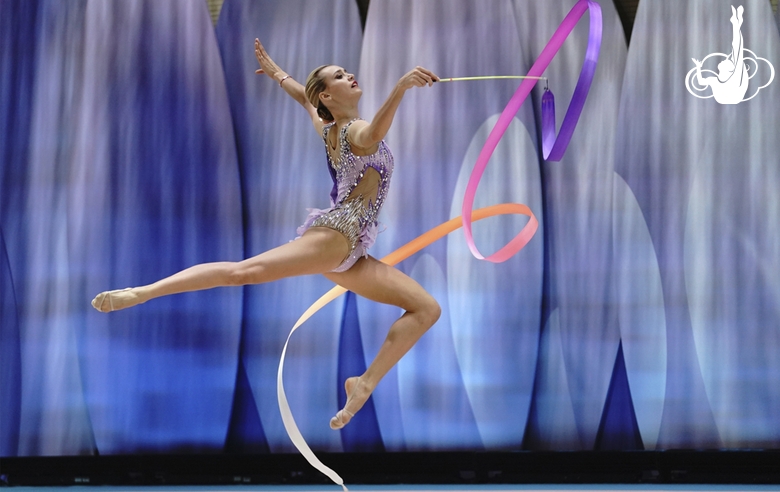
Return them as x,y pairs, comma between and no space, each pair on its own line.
136,140
119,166
702,178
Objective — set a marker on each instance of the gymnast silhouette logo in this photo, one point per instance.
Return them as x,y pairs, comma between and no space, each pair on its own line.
730,84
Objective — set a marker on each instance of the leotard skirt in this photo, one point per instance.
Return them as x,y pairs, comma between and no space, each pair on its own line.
350,219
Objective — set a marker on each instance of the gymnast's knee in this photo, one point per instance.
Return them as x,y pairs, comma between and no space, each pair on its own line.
429,310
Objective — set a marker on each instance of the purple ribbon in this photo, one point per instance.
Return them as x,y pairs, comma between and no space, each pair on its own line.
552,148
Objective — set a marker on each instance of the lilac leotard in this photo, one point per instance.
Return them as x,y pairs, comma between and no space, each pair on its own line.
353,215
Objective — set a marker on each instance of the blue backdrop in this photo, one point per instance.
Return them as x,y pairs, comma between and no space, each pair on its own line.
136,140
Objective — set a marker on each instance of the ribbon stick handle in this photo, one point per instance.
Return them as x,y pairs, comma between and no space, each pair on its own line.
553,148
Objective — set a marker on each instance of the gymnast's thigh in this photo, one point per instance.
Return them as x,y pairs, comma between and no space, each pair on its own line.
319,250
379,282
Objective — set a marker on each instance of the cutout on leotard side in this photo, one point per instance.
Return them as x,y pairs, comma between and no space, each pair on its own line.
368,187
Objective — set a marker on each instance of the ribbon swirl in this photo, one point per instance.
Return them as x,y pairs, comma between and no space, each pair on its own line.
553,148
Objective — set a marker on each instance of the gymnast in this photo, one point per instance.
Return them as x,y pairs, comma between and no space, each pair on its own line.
333,241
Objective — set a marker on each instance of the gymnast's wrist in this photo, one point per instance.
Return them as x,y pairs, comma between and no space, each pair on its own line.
281,77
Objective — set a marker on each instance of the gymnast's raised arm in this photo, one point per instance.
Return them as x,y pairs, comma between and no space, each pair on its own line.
290,85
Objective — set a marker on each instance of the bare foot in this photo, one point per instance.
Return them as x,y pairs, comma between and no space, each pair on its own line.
358,392
115,300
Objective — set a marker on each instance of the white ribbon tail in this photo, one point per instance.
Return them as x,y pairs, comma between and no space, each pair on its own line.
289,422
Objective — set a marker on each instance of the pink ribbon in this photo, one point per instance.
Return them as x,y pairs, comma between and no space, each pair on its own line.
553,148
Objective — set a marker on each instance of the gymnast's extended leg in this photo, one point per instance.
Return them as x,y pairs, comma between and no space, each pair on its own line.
319,250
379,282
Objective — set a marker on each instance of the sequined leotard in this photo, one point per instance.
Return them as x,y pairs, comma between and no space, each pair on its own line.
360,185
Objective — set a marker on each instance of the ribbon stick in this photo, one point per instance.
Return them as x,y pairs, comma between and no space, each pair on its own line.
552,148
487,77
393,258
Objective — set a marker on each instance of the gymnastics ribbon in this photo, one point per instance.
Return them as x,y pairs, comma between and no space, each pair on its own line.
393,258
553,148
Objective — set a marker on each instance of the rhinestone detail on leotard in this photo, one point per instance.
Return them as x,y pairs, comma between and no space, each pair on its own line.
351,216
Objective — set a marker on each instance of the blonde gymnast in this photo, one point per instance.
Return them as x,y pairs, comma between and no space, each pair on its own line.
333,241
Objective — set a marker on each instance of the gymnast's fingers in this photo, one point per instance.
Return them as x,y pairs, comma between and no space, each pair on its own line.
432,77
260,53
420,78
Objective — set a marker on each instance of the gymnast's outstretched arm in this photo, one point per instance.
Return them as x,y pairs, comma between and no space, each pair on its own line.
291,86
367,135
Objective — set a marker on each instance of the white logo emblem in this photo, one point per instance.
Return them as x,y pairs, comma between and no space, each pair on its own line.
730,84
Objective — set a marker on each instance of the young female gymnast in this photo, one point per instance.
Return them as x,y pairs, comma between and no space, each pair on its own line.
333,241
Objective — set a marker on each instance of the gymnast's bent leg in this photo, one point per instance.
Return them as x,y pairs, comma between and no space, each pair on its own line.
379,282
319,250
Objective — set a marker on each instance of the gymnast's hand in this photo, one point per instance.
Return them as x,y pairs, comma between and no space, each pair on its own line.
267,65
418,77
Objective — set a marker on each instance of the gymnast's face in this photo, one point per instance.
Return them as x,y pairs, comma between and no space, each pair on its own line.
340,86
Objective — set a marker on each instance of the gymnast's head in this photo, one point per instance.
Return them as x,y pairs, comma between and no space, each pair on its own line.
330,88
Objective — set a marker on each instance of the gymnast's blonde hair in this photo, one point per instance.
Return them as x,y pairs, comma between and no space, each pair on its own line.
315,84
